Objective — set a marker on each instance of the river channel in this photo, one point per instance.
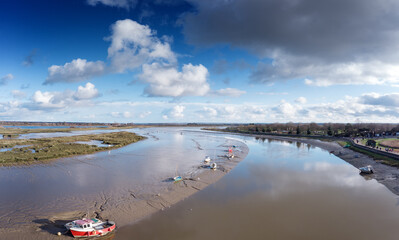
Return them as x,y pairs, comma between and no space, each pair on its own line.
282,190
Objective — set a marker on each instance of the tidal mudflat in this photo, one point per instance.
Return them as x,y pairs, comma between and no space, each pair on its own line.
282,190
124,184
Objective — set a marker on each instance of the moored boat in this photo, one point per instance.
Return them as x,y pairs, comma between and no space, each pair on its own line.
207,159
366,169
177,178
213,166
90,227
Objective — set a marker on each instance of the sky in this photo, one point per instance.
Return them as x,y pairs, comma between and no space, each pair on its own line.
204,61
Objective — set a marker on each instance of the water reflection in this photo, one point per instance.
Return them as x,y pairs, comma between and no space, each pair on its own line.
280,191
96,143
15,147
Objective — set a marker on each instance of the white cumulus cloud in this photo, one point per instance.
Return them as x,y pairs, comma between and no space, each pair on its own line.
301,100
75,71
87,92
285,109
174,113
48,100
61,100
167,81
133,44
230,92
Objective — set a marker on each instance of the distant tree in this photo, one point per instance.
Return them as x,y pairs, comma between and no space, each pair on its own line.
313,126
371,143
298,130
348,130
329,131
308,131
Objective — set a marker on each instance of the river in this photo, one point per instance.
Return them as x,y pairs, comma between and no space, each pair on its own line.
281,190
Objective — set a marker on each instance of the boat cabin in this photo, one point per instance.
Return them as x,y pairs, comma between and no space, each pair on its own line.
85,223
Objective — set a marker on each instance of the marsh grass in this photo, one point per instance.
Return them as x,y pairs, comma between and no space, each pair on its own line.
14,132
45,149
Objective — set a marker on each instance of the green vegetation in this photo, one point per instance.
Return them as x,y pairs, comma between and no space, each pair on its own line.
343,143
27,151
377,157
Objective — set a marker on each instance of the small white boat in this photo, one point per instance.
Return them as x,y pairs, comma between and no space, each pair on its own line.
207,159
367,169
213,166
177,178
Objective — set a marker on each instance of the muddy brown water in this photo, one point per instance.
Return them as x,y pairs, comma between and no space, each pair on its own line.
282,190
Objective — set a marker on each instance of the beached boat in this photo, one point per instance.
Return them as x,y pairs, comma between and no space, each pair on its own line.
90,227
366,169
177,178
213,166
207,159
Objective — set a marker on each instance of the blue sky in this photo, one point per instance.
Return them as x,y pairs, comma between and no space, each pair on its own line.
199,61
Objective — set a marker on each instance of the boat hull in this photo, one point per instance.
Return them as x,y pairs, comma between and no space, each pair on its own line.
92,233
367,170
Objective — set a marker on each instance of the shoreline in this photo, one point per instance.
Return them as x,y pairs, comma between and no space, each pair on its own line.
131,207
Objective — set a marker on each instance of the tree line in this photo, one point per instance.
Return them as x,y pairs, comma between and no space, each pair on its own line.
321,129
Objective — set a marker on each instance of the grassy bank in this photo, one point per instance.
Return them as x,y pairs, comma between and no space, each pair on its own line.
27,151
377,157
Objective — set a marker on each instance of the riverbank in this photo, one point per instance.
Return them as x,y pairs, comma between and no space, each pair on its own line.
128,202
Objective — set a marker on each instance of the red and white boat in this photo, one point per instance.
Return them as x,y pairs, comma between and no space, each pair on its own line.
88,227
